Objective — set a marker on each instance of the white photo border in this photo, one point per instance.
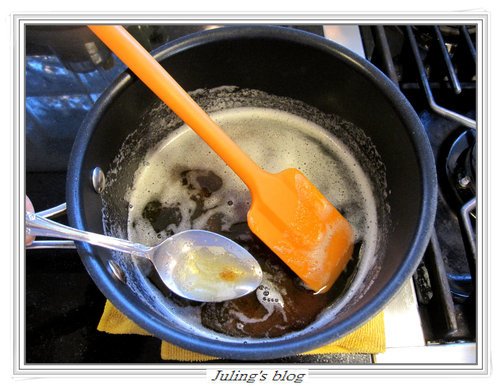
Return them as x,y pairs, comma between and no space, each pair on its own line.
479,18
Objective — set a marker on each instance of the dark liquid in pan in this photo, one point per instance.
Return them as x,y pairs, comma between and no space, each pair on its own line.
183,185
246,316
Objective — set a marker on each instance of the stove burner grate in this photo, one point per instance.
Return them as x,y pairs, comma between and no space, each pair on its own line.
435,67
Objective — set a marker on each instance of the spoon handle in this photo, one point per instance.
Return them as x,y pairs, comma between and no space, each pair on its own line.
39,226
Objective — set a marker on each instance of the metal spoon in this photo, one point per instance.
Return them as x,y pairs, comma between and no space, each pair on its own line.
195,264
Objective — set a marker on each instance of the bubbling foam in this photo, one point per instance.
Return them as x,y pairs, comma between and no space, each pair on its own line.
275,140
175,172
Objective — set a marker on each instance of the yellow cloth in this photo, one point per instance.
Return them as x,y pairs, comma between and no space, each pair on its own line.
369,338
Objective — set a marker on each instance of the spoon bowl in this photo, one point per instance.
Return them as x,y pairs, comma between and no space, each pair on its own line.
195,264
205,266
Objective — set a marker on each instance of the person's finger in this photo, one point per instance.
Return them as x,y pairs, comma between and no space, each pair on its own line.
29,208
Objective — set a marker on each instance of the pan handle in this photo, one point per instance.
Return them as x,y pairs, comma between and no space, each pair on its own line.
52,244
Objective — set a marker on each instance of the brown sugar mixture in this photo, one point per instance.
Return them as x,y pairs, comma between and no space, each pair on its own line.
182,184
281,305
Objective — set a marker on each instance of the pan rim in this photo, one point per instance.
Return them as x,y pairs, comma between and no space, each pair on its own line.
307,341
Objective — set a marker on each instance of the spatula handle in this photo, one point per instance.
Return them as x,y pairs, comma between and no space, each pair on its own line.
169,91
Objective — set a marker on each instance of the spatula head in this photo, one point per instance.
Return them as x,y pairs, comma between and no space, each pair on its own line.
291,216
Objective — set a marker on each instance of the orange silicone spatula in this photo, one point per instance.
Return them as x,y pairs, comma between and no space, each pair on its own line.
288,213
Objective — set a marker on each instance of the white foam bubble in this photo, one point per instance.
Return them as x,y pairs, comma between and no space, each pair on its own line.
275,140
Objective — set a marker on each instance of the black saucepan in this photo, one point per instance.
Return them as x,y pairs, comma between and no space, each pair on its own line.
281,62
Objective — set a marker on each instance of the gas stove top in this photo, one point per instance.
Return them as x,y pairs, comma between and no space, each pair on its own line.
435,67
433,319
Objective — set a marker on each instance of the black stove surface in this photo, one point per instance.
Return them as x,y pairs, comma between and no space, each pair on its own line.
437,65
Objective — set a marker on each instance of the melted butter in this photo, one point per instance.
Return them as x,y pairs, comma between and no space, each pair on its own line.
183,185
210,270
206,265
274,140
229,274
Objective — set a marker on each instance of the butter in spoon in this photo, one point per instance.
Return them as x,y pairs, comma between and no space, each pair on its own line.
195,264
